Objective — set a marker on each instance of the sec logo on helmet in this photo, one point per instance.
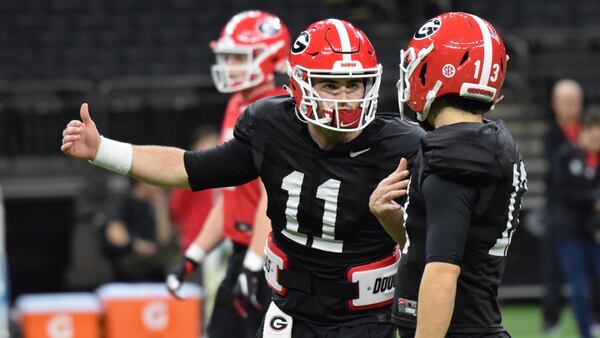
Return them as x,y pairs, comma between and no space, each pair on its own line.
428,29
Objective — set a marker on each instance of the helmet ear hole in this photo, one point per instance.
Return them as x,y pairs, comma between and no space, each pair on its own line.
422,74
464,58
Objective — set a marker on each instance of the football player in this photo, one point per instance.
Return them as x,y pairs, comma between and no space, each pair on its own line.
252,46
465,192
320,153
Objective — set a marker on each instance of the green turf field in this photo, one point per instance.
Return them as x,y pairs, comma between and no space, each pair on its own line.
524,321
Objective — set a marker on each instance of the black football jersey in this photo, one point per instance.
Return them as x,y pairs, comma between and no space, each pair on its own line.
318,199
482,160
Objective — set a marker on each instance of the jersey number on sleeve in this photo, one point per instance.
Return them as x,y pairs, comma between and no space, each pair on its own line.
514,206
328,192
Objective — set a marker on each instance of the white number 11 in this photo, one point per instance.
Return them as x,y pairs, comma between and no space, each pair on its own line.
328,192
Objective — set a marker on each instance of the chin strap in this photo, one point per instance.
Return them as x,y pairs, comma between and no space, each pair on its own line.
431,95
288,90
326,119
500,98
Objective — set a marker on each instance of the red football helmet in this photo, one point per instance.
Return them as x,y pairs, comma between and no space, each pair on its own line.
263,41
453,53
333,49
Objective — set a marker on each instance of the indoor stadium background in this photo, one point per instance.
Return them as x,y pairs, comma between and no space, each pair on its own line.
144,67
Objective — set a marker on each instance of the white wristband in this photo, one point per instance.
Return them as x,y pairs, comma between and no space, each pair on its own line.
195,253
252,261
114,155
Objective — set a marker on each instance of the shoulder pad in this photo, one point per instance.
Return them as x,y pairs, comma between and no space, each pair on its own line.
464,152
259,113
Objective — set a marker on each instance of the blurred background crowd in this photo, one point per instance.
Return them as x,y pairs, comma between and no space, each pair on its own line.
144,67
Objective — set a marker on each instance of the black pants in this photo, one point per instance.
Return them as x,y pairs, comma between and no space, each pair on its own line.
225,321
552,276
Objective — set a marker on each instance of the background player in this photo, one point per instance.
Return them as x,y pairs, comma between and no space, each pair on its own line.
466,188
252,46
328,260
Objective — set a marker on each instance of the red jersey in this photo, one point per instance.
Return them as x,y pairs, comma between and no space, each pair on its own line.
189,211
239,203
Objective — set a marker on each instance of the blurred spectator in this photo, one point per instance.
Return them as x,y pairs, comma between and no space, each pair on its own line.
567,105
189,209
137,236
576,183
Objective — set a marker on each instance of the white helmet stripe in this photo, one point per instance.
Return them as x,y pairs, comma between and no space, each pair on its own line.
487,51
344,38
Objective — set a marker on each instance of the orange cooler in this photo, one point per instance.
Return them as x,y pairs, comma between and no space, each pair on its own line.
61,315
147,310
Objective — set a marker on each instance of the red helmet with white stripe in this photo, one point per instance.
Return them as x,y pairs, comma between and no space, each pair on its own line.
333,49
453,53
261,39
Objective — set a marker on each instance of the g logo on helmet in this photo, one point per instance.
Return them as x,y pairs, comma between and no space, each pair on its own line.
428,29
301,43
278,323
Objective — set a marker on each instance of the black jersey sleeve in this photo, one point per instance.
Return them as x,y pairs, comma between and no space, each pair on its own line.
229,164
245,127
448,206
248,126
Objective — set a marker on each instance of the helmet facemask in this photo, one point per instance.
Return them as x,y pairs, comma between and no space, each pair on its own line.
334,114
253,74
409,62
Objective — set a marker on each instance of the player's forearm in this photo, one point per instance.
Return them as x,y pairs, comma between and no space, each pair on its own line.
262,226
396,231
159,165
436,299
211,234
164,228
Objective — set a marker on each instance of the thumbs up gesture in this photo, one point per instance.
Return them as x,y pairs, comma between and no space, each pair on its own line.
81,139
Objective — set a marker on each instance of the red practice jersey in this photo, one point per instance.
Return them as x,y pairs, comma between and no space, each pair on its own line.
189,210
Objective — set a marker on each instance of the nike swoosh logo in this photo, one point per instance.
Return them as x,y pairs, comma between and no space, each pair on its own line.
356,153
344,125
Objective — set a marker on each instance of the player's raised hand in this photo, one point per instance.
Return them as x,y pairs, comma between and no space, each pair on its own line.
81,138
382,204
